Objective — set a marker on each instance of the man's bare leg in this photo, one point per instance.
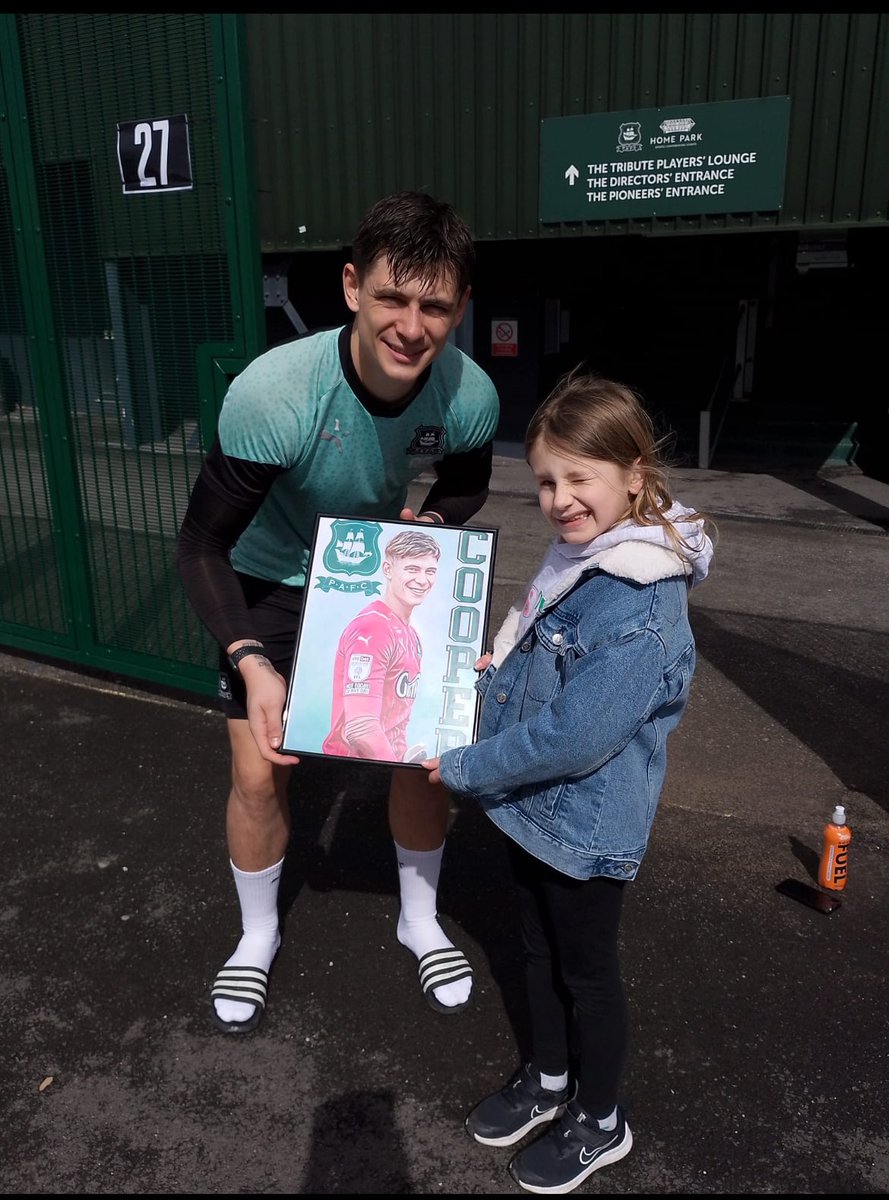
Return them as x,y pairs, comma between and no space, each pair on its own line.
418,810
258,830
418,821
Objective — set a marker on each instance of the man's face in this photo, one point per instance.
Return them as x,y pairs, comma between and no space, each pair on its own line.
398,330
410,579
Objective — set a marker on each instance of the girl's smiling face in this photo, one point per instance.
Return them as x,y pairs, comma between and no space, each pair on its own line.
581,497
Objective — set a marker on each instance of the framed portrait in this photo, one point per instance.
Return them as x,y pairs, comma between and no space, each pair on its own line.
395,616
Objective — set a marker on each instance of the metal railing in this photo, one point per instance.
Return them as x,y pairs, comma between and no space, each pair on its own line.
734,382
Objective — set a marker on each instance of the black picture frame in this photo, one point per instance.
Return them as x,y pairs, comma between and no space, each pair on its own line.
388,630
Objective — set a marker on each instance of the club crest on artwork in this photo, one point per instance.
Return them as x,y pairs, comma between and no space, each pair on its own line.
353,548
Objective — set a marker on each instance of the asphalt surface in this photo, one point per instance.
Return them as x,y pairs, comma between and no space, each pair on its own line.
759,1058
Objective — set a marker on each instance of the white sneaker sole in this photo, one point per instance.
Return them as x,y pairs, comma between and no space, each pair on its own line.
510,1139
615,1154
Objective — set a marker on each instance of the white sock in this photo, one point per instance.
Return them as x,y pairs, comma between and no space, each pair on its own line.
258,895
554,1083
418,927
608,1123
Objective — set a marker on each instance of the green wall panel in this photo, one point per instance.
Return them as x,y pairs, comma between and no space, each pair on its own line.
347,107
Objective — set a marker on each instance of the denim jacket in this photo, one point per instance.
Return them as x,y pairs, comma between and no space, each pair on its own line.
571,751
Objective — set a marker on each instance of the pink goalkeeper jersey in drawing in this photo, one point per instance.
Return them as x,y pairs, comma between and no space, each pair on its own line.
376,674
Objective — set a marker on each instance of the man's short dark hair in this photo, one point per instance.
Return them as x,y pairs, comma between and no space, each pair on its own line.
421,238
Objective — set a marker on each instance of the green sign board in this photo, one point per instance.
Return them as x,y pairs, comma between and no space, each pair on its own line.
665,162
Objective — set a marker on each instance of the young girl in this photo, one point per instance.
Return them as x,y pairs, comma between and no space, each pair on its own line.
587,679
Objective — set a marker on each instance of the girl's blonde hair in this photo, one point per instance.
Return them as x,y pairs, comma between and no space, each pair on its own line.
588,416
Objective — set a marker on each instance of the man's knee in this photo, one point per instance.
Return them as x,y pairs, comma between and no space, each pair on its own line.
253,790
256,783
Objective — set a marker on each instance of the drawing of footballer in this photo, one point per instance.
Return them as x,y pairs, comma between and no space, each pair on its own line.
377,667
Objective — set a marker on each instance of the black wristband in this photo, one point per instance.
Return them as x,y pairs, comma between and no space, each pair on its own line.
242,651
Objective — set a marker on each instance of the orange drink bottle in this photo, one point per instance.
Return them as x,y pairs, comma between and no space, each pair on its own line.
834,865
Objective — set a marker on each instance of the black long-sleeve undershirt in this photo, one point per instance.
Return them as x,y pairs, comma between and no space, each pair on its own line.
226,496
461,485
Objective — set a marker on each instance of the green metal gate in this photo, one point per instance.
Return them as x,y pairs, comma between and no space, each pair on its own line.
131,294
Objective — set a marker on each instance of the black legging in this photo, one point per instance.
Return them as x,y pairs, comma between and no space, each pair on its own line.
569,933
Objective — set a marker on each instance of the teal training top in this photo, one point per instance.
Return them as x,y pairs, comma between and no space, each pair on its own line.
294,408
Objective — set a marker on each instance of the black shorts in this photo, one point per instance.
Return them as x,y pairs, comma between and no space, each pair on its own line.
275,609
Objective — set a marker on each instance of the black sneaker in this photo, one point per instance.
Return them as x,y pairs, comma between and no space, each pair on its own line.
515,1110
568,1153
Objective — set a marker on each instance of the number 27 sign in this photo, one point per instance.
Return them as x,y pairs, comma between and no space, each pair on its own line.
154,155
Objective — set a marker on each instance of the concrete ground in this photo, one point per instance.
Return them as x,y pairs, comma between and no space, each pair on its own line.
759,1058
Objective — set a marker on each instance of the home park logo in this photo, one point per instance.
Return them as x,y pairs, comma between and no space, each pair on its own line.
353,549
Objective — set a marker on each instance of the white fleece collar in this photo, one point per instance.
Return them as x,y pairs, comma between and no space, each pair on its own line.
642,562
640,553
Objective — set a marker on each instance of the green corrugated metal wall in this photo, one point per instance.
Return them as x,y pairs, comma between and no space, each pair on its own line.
347,107
122,318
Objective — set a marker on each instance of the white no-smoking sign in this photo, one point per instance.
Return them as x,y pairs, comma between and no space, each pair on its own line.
504,338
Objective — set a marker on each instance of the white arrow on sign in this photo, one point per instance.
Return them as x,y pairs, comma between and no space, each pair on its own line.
571,174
